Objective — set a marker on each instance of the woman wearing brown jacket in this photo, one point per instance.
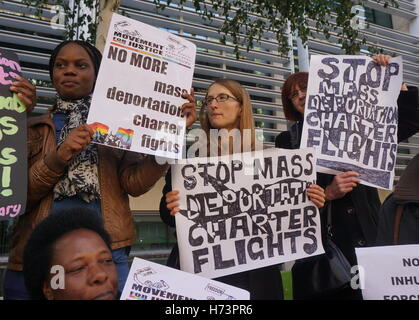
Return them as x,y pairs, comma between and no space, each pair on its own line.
67,171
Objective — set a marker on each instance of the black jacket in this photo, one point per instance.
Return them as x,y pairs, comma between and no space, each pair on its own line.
406,194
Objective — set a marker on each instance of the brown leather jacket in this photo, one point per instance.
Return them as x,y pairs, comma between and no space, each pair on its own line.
120,173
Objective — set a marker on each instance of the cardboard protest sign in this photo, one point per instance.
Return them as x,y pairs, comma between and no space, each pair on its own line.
351,116
13,159
246,211
151,281
389,272
137,98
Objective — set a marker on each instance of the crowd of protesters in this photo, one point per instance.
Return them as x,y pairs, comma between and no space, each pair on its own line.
77,211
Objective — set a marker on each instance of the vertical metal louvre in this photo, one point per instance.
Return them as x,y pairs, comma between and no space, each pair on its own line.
33,39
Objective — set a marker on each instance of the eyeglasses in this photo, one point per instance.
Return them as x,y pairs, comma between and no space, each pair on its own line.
223,97
295,93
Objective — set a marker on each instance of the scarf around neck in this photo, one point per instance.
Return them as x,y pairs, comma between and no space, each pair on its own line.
81,177
295,132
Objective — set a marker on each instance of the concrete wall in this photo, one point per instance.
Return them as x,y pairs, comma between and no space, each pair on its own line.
149,201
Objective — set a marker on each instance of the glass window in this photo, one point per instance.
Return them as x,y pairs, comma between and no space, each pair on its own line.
378,17
152,233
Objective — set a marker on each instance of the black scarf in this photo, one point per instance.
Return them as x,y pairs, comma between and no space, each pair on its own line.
295,132
81,177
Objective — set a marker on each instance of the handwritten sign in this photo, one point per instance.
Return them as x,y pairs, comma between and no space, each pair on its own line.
137,98
389,272
13,159
351,116
151,281
246,211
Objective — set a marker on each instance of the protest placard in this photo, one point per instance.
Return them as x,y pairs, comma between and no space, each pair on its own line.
13,159
245,211
389,272
137,97
151,281
351,116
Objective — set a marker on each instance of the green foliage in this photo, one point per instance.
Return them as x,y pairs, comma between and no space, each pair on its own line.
244,23
255,18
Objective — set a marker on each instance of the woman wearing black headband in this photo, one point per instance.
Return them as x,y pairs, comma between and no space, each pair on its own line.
66,170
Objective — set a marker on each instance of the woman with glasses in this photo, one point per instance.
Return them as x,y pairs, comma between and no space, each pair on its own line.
228,106
293,102
354,206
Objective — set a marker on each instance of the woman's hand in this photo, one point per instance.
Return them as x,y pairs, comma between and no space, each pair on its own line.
382,59
26,92
171,199
77,141
342,184
317,195
189,108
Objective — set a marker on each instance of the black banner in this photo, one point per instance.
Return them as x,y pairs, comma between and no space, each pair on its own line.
13,155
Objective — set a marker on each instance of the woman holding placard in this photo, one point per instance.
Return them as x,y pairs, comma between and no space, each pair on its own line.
354,206
227,106
66,170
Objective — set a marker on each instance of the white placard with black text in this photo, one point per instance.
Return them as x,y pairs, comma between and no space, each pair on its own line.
246,211
351,116
389,272
137,97
151,281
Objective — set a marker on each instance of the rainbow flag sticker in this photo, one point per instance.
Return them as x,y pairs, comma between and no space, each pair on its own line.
100,131
134,297
125,136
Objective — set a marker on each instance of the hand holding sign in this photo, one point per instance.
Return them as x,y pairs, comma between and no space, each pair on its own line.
316,195
342,184
382,59
189,108
76,142
26,92
171,199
